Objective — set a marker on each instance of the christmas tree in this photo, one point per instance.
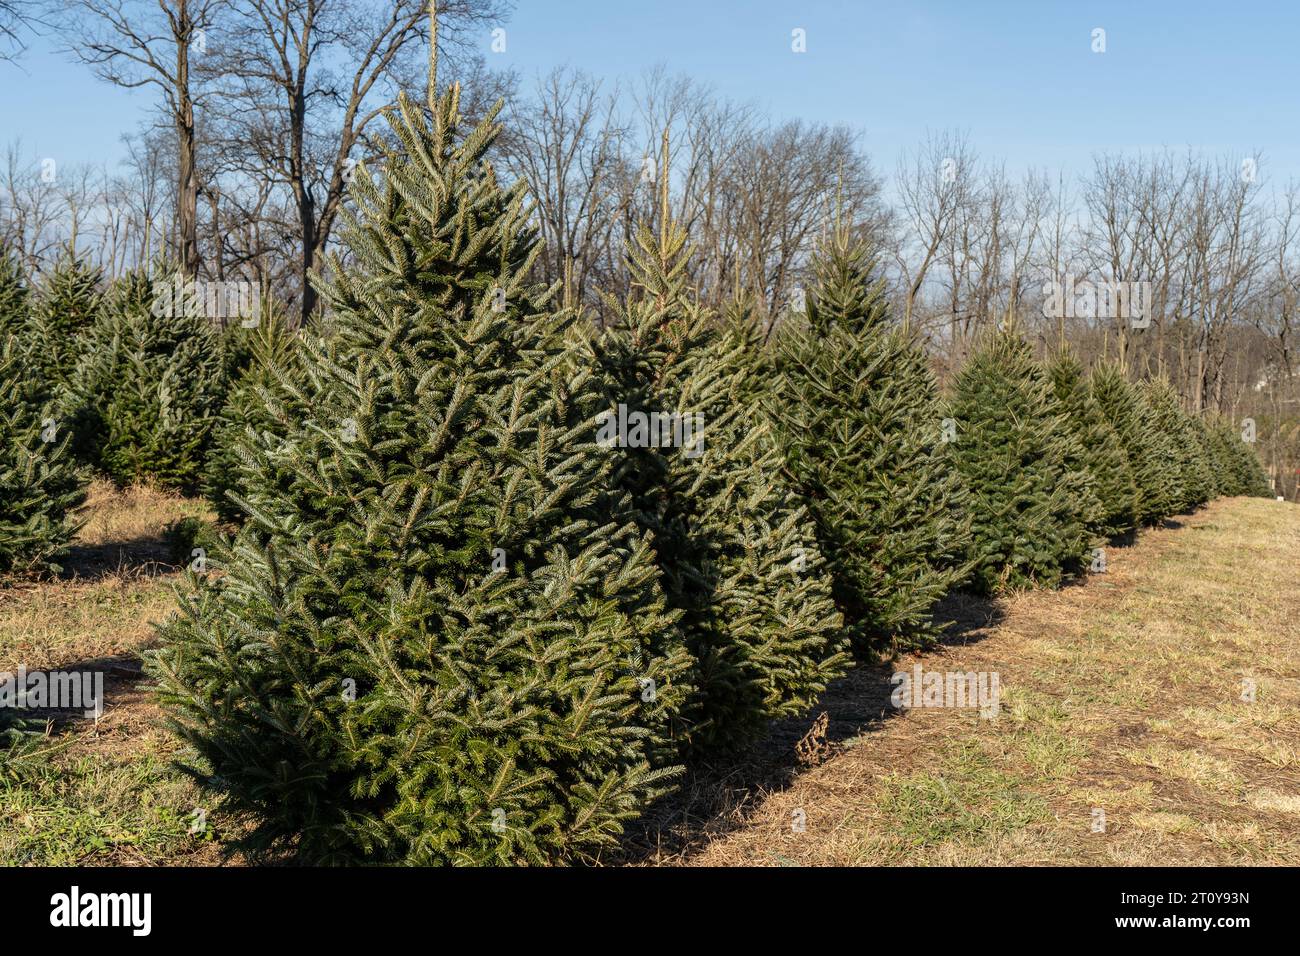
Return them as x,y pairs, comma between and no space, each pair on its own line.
1196,484
1236,464
1102,453
39,484
1030,511
1150,456
429,643
143,394
696,454
1206,446
68,303
755,366
863,431
262,399
14,296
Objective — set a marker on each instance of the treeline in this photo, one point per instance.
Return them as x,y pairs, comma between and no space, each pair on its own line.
493,571
243,176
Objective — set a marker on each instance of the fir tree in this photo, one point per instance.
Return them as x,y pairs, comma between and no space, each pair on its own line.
738,556
68,303
1236,461
258,400
1102,453
39,484
862,430
1204,434
1149,453
15,300
1222,439
1195,484
755,366
1030,511
429,643
143,396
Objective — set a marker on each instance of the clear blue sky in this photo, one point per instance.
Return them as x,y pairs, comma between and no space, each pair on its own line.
1019,76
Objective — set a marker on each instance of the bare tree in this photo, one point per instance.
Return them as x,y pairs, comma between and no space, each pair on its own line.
16,18
568,144
933,184
300,84
138,43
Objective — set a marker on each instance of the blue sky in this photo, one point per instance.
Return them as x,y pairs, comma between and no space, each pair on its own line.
1020,77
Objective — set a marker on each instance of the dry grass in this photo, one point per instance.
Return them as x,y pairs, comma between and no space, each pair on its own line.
101,792
1123,695
116,580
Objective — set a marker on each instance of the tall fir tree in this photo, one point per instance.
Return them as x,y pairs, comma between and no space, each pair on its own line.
1236,461
697,457
144,394
862,428
15,298
68,303
744,340
1149,453
1195,484
429,643
1099,445
260,399
40,485
1203,431
1030,510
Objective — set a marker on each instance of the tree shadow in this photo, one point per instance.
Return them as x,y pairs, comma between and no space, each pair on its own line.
718,795
114,679
144,556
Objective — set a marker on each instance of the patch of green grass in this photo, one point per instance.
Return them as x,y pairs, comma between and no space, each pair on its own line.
60,808
968,800
1042,739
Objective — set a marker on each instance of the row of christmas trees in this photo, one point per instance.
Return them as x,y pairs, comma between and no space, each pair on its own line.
457,622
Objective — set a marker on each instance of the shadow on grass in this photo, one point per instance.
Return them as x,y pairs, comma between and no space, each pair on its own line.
147,556
118,677
716,796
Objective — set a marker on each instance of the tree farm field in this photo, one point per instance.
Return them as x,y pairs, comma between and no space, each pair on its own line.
1149,715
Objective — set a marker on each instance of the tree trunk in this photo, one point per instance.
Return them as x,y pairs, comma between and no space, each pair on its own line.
187,193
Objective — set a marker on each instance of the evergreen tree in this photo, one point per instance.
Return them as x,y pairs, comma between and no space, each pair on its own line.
1149,453
258,400
1195,485
14,296
744,340
1208,450
1030,511
1218,440
862,429
68,303
702,469
1102,453
429,643
1236,462
144,394
39,485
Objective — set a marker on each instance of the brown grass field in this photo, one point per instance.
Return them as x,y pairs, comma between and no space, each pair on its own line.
1125,694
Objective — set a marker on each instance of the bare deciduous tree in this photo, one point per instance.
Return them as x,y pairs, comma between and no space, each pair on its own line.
144,43
300,84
